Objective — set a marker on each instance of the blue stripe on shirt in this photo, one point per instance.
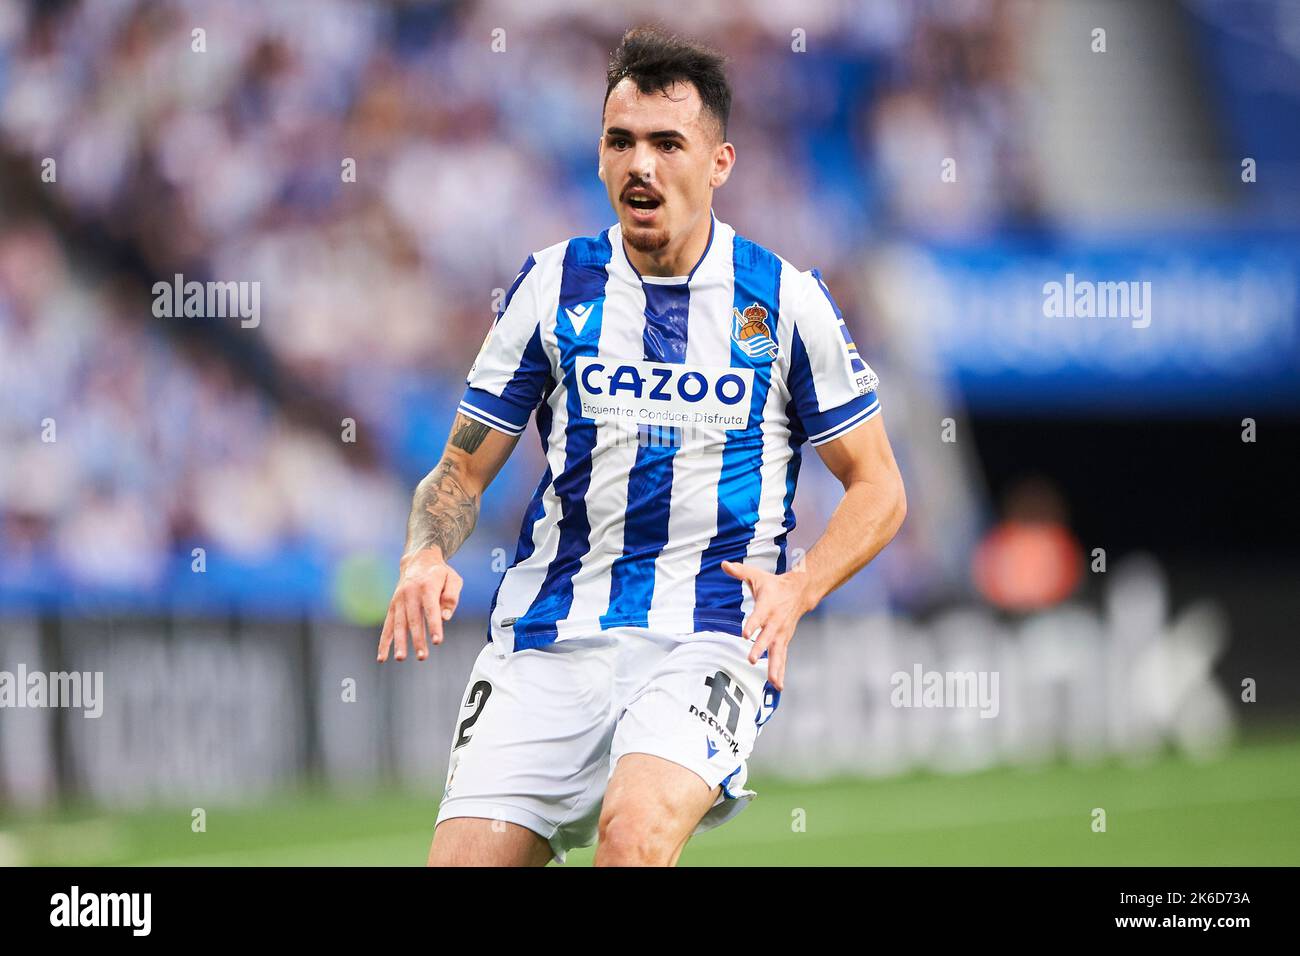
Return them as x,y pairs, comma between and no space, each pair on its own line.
527,544
650,483
856,360
797,438
719,596
585,274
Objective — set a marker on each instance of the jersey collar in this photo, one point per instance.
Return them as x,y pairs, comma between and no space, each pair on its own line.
701,268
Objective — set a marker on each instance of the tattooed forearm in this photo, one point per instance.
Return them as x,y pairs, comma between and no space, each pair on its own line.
447,501
443,512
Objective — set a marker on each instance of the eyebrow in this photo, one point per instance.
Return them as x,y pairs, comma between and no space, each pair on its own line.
657,134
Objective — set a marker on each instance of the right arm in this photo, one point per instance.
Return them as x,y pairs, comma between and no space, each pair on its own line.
505,383
443,513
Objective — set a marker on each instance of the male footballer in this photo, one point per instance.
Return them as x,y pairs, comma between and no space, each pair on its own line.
638,640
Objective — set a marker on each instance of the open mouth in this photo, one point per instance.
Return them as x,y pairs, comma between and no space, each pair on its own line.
642,205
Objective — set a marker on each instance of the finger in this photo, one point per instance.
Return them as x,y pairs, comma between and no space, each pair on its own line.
421,641
414,616
761,644
776,664
429,605
739,571
386,635
400,627
451,595
756,621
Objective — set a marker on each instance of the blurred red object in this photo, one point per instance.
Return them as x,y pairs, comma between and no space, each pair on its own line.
1025,566
1030,560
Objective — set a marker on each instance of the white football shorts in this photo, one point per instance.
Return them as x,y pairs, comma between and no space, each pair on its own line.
541,730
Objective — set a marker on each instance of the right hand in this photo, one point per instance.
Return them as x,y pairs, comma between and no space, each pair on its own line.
427,588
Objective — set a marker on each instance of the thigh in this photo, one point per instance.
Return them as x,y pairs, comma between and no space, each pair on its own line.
530,749
660,801
475,841
701,709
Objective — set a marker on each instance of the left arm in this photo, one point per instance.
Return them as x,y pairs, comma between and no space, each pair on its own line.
865,520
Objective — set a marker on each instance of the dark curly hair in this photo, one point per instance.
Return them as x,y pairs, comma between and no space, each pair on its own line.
655,60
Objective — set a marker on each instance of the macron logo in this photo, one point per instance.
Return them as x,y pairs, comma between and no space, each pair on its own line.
579,314
102,909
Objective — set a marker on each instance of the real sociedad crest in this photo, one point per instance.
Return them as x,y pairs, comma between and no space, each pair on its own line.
749,330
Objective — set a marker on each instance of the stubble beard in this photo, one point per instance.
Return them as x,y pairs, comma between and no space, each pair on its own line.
646,240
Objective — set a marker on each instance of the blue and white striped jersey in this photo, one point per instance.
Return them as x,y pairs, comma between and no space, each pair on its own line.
671,412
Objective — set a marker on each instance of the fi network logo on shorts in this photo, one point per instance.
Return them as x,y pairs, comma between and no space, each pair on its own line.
75,908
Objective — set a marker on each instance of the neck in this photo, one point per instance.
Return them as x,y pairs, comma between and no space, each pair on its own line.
677,258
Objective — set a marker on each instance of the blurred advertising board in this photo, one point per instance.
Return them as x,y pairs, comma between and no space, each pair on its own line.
227,712
1166,324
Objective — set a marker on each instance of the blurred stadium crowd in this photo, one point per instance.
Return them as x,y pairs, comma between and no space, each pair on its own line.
226,164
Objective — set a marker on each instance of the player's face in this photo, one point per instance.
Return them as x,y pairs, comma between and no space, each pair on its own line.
661,157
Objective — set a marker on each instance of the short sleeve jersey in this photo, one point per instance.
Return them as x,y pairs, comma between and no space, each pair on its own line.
672,412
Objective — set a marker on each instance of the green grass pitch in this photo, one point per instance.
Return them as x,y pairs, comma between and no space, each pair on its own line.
1241,809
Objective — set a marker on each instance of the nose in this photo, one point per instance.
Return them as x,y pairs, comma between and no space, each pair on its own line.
643,162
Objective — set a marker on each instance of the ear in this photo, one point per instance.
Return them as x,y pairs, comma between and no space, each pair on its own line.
724,159
600,158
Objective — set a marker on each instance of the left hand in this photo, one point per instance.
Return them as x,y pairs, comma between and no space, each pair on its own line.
779,602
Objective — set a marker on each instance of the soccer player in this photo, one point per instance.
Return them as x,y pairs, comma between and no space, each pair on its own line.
638,641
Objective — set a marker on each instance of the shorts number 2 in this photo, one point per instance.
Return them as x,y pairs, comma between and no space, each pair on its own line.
476,698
